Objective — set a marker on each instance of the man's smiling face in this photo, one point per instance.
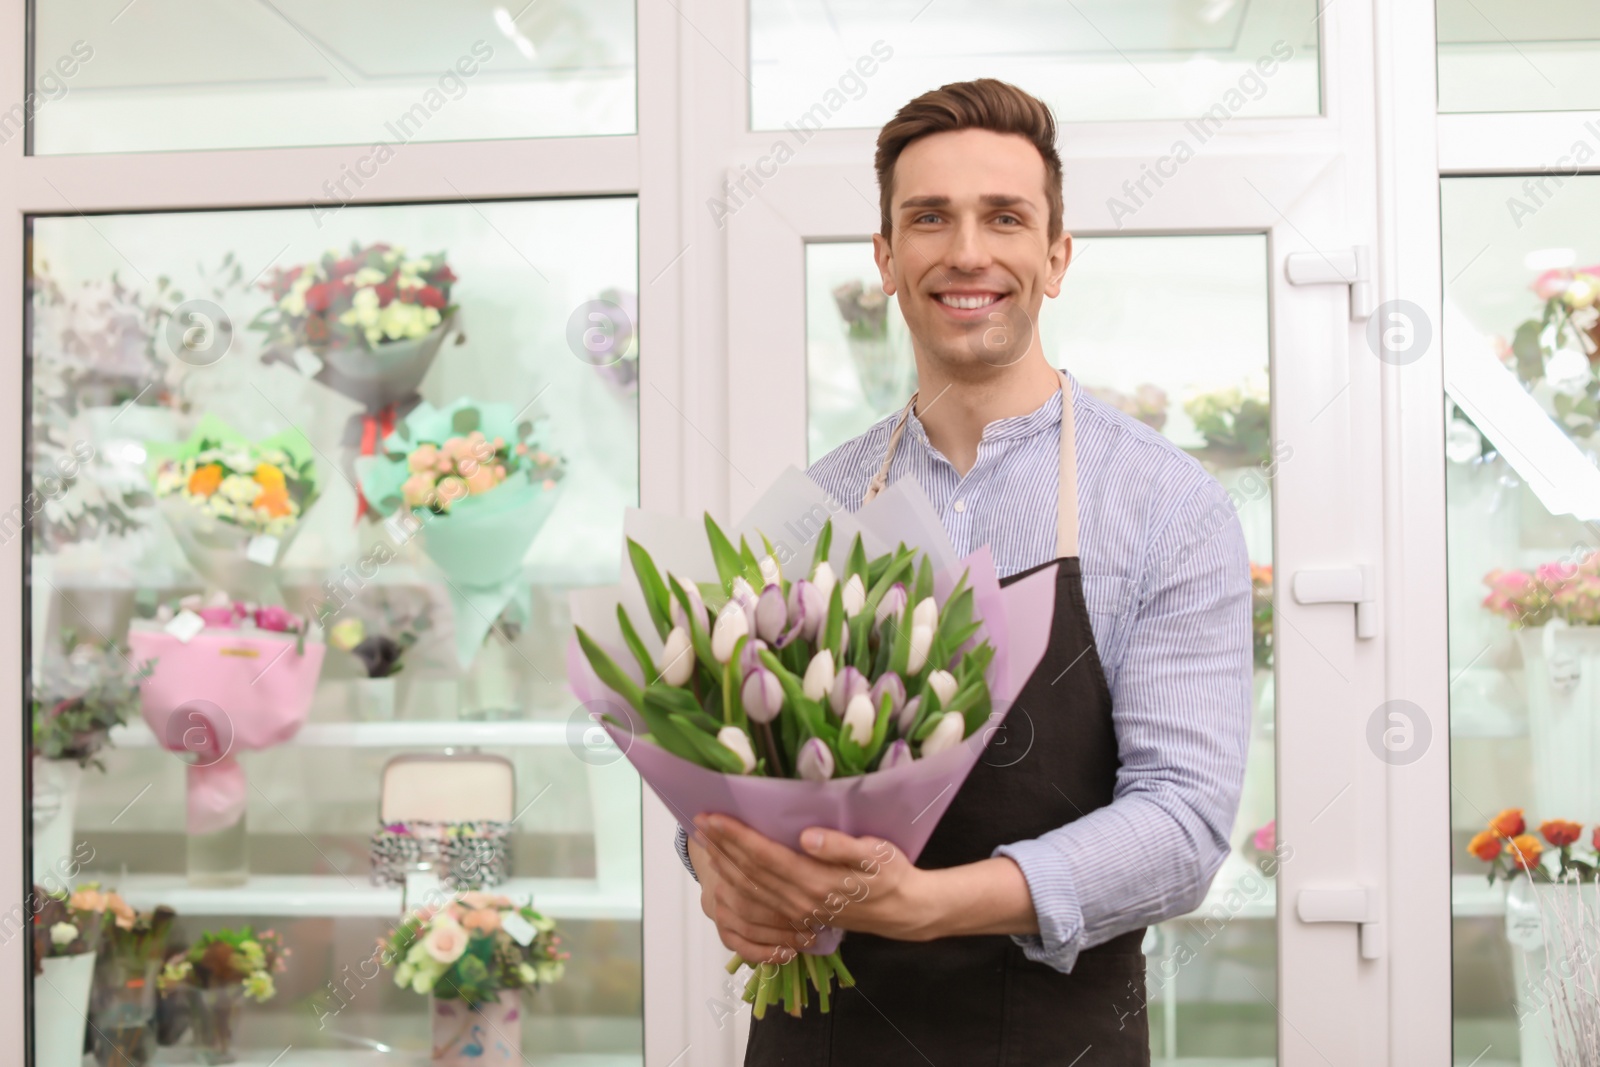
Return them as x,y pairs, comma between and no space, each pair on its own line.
970,255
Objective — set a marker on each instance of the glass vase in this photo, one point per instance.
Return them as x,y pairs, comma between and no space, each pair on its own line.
214,1019
218,852
122,1013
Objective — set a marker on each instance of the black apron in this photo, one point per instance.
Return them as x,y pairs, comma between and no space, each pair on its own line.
978,1001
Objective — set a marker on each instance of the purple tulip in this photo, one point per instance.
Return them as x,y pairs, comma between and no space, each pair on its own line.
815,763
893,605
762,695
847,685
896,754
771,615
750,656
808,610
908,714
890,683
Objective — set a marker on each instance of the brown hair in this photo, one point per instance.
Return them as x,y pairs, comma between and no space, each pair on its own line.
985,104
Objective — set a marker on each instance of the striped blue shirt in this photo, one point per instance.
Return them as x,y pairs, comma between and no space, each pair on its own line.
1166,579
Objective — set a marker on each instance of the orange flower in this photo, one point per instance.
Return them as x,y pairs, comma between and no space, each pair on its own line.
204,480
1485,845
119,907
1525,851
485,919
87,900
1261,573
275,502
1560,832
1508,823
268,476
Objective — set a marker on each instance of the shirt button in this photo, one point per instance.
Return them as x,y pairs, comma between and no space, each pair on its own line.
960,505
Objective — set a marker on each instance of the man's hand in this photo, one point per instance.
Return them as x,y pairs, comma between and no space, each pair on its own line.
769,901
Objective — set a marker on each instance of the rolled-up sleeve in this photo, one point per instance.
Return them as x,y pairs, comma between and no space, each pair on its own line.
1181,704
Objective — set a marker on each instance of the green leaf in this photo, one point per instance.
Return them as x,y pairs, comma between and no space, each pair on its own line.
655,591
465,420
924,587
641,655
824,544
733,688
723,553
698,636
856,563
880,728
714,753
835,624
609,673
751,566
681,704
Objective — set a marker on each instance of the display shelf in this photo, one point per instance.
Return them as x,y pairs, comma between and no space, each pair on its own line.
336,896
401,734
355,1057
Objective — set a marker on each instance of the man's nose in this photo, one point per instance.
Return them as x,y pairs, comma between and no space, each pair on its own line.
968,249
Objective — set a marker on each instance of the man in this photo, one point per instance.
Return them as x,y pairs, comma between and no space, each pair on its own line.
1106,803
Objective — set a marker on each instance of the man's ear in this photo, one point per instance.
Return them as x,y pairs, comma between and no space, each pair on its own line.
1060,256
885,260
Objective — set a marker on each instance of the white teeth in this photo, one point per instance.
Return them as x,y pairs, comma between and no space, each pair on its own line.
966,303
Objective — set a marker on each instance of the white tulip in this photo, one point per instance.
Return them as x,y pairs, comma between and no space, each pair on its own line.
943,683
737,741
824,579
741,588
770,574
926,613
921,643
676,663
859,719
855,595
819,676
948,734
696,602
732,624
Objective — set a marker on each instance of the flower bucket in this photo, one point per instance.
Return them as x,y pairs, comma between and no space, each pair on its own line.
221,693
1555,934
373,699
487,1035
123,1013
1561,667
214,1019
61,1010
55,803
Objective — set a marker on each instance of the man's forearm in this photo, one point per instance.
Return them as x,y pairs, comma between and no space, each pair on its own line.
987,897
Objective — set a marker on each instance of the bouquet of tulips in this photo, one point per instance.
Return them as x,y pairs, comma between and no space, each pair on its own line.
852,689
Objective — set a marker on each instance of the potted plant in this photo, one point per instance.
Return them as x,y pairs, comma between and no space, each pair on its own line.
218,972
1553,611
379,638
64,941
122,1012
81,694
472,958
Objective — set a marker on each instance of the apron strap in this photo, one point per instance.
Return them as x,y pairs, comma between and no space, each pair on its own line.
1066,486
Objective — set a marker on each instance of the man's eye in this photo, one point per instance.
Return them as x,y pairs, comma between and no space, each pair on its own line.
1009,218
925,217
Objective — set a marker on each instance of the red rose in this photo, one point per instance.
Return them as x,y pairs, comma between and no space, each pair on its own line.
430,297
443,276
343,267
386,293
319,296
1560,832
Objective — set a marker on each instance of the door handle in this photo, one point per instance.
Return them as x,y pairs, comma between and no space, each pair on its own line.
1337,266
1346,904
1344,585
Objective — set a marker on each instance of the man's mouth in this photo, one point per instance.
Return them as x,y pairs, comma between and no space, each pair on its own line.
965,304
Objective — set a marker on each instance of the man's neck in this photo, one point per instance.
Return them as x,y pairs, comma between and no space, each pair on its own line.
954,411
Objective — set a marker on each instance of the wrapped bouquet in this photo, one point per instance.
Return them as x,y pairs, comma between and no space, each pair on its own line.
852,685
225,676
477,486
234,504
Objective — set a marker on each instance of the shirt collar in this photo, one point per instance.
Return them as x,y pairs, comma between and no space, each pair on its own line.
1046,416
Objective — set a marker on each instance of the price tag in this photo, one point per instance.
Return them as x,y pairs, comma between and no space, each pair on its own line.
262,549
310,365
184,625
520,929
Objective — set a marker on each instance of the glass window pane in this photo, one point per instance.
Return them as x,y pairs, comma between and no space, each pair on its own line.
113,76
854,63
1522,400
1536,57
214,387
1198,372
